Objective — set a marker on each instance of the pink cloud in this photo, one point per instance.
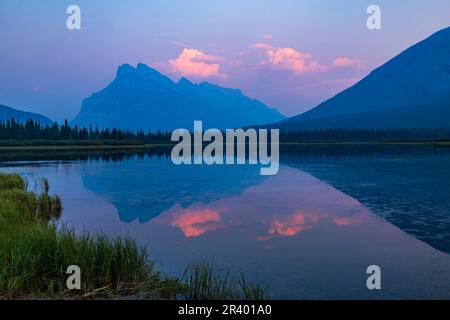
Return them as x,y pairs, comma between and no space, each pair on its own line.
291,225
194,223
343,221
288,226
344,62
298,62
261,45
293,60
347,221
267,37
193,62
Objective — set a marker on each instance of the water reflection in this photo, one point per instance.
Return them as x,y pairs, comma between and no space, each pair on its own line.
142,189
279,206
195,222
412,191
311,229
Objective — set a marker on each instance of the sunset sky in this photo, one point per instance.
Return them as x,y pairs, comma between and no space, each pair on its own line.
290,54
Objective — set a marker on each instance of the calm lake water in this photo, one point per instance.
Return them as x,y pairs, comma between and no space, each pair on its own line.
311,231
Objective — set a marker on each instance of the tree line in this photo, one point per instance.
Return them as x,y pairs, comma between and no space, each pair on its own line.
12,129
401,134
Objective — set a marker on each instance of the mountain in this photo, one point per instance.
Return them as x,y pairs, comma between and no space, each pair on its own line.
142,97
410,91
22,116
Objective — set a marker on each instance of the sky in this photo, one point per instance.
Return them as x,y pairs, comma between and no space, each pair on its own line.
290,54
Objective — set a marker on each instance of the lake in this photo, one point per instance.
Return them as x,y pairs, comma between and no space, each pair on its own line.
310,231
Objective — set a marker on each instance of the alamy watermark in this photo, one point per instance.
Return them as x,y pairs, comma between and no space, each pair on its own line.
229,149
74,280
73,21
374,20
374,280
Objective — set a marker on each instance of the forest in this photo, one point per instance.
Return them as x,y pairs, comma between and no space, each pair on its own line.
13,132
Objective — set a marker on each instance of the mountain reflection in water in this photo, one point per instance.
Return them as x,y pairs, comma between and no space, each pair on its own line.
312,229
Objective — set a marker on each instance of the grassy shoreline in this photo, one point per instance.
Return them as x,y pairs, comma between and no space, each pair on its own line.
35,254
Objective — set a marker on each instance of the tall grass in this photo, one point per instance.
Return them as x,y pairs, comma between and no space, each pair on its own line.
12,181
36,263
35,254
204,281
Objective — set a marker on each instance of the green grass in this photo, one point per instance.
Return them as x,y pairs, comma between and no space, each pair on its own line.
11,182
35,254
203,281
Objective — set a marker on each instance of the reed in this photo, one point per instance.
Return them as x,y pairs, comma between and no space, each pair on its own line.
204,281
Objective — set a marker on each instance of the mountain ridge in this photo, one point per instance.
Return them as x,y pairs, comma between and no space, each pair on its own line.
22,116
144,98
418,76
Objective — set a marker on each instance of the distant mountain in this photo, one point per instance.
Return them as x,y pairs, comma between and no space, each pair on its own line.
22,116
144,98
410,91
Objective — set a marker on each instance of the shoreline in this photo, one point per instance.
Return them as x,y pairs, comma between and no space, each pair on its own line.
82,147
148,146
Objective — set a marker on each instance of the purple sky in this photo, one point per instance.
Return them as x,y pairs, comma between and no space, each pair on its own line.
291,54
